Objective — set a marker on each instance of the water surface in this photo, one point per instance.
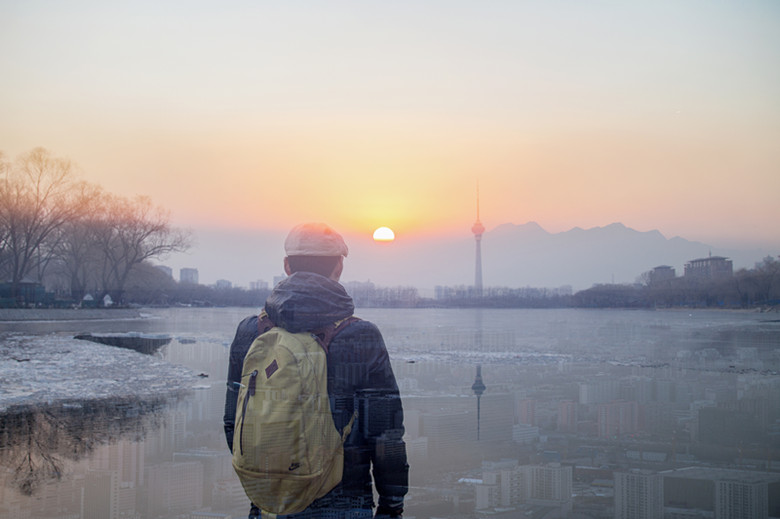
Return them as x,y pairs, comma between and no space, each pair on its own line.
549,375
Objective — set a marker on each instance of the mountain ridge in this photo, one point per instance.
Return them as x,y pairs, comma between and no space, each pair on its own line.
513,255
614,253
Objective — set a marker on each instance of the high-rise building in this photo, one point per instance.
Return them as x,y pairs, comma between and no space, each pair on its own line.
720,492
526,411
549,485
258,285
567,416
505,483
639,495
478,229
522,433
661,274
600,390
711,267
188,275
223,284
617,418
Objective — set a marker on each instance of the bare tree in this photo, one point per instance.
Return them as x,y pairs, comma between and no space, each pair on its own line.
36,198
4,168
75,247
130,232
760,285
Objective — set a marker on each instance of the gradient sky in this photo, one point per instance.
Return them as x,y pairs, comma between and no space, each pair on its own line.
259,115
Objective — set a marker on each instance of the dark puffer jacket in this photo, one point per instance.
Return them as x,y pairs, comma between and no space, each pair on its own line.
359,374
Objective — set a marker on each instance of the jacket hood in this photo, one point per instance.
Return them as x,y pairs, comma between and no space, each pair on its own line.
306,301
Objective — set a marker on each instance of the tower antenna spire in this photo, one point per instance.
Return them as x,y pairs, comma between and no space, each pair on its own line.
477,200
478,229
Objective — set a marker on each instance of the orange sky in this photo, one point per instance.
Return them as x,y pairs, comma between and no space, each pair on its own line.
660,115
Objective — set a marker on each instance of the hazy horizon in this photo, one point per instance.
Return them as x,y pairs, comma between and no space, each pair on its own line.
244,256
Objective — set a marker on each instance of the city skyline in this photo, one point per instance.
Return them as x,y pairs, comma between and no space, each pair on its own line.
514,256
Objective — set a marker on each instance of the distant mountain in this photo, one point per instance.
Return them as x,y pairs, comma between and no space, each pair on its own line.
528,255
512,255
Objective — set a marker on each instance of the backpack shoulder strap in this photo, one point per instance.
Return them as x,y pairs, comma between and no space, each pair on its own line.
325,335
264,323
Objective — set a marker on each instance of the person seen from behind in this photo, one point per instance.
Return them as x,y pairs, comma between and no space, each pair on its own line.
361,386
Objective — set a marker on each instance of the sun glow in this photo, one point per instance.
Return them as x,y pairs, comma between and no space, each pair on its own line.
384,234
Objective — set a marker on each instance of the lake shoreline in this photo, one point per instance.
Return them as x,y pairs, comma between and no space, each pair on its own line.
67,314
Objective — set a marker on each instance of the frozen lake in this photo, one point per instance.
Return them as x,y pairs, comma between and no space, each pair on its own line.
554,378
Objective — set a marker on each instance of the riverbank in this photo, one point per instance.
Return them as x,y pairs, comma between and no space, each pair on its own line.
67,314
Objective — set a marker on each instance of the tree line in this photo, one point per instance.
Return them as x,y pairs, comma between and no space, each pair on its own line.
76,239
746,288
72,235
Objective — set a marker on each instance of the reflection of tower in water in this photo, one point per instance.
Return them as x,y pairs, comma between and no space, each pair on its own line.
478,387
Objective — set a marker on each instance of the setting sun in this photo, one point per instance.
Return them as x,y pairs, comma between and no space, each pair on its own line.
384,234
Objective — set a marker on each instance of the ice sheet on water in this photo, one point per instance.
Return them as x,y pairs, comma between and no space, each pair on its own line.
42,369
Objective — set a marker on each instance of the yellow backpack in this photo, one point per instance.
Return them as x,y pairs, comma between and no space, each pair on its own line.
287,451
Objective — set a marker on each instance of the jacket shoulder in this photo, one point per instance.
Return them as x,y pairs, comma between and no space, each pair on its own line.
361,326
246,332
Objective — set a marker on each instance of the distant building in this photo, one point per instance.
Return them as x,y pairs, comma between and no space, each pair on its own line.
567,416
505,483
497,417
711,267
523,434
526,411
223,284
188,275
720,492
639,494
502,485
617,418
660,274
551,484
599,390
258,285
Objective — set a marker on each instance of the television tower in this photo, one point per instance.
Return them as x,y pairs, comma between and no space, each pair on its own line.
478,229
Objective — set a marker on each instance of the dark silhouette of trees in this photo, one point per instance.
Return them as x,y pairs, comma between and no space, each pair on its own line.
38,195
74,248
611,296
760,285
72,234
129,232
